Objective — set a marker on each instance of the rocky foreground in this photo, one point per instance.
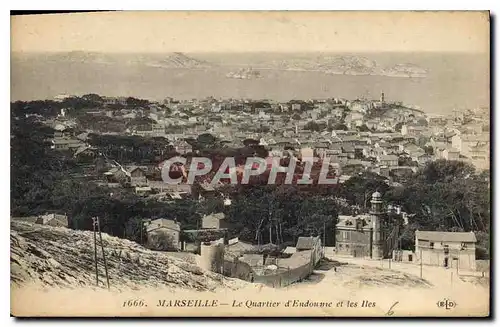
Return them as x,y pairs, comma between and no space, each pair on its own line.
61,257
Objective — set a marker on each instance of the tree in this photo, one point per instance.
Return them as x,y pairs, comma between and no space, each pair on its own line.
407,161
398,126
446,170
341,127
207,141
92,97
363,128
429,150
279,214
422,141
313,126
250,142
45,108
35,168
358,189
134,102
447,196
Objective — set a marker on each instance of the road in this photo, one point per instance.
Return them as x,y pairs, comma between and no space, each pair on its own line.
433,274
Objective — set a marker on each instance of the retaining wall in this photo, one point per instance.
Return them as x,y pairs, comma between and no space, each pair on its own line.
291,270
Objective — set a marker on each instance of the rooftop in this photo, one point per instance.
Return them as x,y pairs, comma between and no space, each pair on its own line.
219,216
162,222
446,236
306,243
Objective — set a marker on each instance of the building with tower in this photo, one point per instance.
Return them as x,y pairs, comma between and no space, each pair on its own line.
377,226
374,235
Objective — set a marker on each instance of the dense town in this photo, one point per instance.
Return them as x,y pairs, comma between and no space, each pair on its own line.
376,148
313,163
372,135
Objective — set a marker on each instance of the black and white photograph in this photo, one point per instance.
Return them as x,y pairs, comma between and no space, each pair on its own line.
250,164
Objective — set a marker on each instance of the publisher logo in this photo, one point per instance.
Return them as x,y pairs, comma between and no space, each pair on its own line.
446,304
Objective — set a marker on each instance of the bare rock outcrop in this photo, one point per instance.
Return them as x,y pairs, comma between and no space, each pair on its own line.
61,257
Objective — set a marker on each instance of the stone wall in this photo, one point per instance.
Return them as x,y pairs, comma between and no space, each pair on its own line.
212,256
290,270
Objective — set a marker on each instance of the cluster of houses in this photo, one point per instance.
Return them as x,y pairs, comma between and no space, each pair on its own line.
48,219
377,235
216,250
386,138
376,135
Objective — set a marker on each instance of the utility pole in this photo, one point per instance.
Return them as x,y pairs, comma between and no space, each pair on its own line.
95,252
324,236
420,263
97,229
142,226
103,253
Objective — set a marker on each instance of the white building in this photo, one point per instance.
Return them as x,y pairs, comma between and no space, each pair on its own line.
446,249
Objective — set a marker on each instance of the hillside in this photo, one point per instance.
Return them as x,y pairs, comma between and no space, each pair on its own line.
61,257
349,65
405,70
180,60
344,65
395,110
79,57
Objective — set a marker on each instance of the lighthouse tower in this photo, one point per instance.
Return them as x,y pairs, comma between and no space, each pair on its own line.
376,218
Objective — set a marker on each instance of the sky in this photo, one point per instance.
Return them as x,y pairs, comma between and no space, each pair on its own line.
157,32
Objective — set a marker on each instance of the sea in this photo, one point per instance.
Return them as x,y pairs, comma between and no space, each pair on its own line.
454,80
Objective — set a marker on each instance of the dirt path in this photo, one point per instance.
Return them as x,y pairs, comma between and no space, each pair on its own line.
434,275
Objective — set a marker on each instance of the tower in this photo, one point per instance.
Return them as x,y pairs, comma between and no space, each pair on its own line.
382,97
376,218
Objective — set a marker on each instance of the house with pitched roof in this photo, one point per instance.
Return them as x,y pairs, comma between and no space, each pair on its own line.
163,234
310,244
215,221
446,249
388,160
53,219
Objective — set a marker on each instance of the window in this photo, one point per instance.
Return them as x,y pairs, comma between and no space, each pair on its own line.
463,246
431,245
446,249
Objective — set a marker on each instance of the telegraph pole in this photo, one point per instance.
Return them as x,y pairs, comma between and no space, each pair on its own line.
95,251
103,253
421,263
142,226
324,236
97,229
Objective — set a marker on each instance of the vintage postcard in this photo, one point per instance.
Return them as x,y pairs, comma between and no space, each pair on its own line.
250,164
